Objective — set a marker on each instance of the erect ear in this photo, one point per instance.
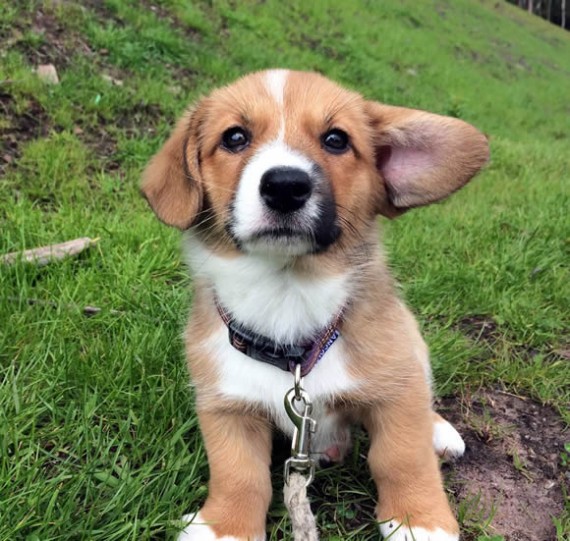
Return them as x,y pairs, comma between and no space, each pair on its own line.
171,181
422,157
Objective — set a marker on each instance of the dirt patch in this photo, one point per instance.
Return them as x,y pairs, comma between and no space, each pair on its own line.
510,478
58,46
479,328
19,127
511,469
140,118
103,146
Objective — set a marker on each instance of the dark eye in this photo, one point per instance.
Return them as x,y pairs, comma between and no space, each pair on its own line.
235,139
335,141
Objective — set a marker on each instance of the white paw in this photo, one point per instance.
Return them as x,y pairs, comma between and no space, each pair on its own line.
198,530
392,530
447,441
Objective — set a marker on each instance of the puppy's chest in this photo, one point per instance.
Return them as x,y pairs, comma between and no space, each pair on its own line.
287,307
243,379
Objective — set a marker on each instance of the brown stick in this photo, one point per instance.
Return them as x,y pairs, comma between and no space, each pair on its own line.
46,254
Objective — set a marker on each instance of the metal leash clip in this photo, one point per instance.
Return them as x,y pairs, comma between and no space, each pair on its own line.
304,426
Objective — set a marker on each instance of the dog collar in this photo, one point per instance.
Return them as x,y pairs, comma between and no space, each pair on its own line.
283,356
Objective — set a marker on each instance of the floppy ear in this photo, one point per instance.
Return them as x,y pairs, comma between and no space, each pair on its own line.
422,157
171,181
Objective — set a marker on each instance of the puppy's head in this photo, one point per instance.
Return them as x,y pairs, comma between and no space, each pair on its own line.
289,162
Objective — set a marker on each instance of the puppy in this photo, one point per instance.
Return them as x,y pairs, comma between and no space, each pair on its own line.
277,181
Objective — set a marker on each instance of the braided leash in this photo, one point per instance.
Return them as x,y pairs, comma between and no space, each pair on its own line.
296,483
299,508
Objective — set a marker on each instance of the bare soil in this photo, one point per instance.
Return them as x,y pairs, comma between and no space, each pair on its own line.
19,128
59,46
510,479
511,471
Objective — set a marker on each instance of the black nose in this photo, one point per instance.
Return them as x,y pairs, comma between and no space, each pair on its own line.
285,189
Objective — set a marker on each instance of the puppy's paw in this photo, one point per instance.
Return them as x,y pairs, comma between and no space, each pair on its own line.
446,440
198,530
392,530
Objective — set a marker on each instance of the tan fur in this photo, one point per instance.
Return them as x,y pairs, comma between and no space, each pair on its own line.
191,181
239,449
407,474
172,191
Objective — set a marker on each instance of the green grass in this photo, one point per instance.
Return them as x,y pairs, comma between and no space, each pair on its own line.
98,439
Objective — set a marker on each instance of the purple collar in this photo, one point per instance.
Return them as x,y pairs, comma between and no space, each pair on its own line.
283,356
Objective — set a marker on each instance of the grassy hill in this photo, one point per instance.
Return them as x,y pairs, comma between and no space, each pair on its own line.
98,439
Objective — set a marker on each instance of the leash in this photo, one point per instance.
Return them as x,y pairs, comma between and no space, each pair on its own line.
300,467
297,503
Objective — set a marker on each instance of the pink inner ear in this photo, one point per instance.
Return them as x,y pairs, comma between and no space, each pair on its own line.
401,167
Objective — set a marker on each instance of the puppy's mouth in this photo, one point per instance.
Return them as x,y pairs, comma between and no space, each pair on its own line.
279,242
280,234
311,236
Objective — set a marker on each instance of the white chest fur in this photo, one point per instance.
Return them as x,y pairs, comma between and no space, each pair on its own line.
264,295
243,378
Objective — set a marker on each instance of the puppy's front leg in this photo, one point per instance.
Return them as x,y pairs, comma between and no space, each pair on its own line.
412,502
239,456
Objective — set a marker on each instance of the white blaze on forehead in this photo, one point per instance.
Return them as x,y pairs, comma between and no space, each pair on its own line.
275,81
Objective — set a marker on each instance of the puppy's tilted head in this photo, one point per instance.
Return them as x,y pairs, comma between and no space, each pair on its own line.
289,163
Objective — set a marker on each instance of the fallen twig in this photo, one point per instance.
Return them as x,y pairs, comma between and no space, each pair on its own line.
45,254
